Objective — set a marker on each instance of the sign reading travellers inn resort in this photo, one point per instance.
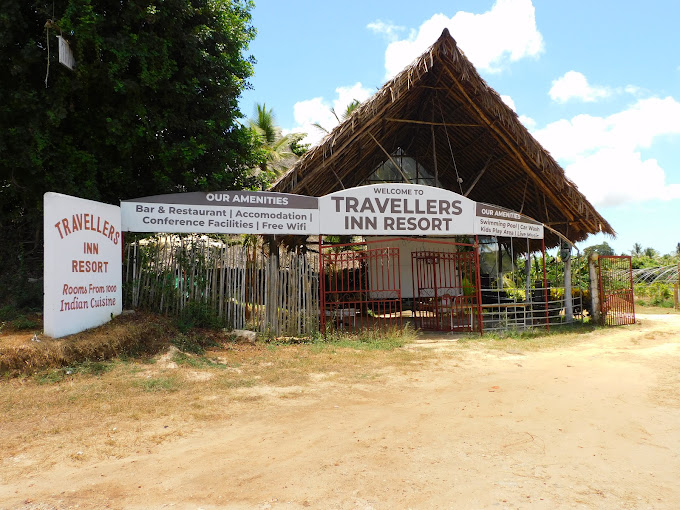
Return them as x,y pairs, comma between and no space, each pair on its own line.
83,240
396,210
387,209
83,264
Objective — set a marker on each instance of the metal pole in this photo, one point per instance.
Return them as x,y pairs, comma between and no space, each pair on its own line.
435,261
527,286
545,287
322,290
630,274
415,274
568,300
478,284
401,305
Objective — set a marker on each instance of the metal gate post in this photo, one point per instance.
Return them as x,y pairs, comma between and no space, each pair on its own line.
677,290
322,290
436,295
545,287
632,294
478,284
401,303
415,299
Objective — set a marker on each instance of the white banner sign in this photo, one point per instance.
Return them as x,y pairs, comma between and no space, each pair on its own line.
223,212
396,209
491,220
380,209
83,264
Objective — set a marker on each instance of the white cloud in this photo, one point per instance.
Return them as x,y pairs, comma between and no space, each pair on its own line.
506,33
602,155
389,30
528,122
632,90
614,177
574,85
509,101
318,110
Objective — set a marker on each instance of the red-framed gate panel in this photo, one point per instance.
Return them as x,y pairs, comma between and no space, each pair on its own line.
615,274
360,287
446,291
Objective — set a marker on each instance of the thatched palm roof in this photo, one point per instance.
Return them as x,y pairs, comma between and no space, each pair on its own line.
443,114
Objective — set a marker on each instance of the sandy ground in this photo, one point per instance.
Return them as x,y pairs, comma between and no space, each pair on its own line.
595,425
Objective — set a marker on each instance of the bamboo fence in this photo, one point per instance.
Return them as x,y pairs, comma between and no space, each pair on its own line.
275,294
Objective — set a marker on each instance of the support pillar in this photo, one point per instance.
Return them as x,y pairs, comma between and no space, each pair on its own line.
545,287
528,297
595,306
568,301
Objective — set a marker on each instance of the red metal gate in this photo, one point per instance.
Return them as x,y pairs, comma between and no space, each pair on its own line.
360,287
616,290
446,291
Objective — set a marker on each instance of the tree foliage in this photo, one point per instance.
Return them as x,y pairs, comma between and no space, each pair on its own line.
280,151
600,249
353,105
649,257
151,106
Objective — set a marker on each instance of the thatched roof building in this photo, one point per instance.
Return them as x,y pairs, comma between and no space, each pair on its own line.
439,123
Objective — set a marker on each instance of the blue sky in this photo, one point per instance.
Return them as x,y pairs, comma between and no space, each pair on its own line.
596,82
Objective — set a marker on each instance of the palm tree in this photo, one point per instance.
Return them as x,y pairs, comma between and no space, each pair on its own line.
348,111
278,151
637,249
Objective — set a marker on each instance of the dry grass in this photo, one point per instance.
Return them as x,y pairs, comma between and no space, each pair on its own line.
94,409
655,310
126,334
535,340
109,409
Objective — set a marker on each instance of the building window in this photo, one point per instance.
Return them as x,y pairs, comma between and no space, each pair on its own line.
387,172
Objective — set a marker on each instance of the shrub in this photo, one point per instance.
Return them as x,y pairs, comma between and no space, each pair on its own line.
199,315
189,342
22,323
654,294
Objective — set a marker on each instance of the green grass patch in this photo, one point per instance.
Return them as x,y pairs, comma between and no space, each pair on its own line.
655,310
365,340
237,383
158,384
540,332
50,376
194,342
91,368
187,360
532,339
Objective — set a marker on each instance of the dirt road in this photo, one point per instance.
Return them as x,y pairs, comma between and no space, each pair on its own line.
594,425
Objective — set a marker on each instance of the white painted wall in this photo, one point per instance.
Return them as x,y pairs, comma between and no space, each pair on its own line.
406,249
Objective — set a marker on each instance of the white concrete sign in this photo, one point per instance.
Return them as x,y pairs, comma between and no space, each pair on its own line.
396,209
223,212
83,264
492,220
